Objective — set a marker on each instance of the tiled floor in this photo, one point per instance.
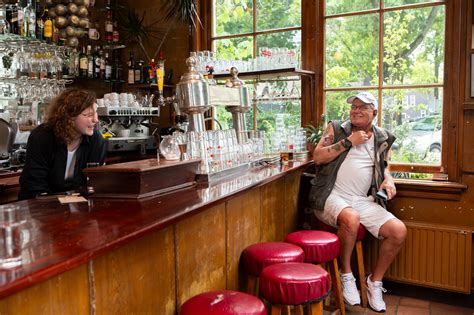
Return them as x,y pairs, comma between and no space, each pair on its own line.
404,299
400,305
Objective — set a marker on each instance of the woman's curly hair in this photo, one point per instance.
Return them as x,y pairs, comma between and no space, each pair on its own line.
64,108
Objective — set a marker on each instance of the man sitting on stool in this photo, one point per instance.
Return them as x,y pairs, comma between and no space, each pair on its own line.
351,186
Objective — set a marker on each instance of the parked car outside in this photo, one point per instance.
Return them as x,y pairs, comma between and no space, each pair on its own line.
424,137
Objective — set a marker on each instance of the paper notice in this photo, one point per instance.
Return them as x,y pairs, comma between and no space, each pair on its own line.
71,199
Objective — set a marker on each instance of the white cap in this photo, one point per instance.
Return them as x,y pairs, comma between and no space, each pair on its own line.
365,97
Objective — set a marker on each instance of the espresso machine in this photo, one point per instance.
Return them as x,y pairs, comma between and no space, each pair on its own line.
7,137
128,128
195,96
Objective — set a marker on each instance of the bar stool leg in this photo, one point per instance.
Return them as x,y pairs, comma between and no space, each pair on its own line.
316,308
299,309
336,285
361,269
252,285
276,310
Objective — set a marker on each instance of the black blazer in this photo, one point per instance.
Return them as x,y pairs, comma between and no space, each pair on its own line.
46,158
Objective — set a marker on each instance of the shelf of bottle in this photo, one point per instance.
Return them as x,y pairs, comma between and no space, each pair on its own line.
277,99
14,38
114,81
113,46
111,8
262,74
150,86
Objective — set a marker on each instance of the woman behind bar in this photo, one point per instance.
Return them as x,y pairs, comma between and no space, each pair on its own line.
59,149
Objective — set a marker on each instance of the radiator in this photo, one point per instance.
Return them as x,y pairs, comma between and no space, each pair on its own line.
434,256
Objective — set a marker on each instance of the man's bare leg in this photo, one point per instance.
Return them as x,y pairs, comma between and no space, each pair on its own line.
348,222
394,233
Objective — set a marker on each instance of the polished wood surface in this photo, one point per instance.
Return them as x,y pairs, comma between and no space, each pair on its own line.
144,178
62,237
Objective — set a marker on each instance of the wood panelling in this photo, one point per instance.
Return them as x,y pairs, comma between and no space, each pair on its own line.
201,253
273,211
468,148
138,278
64,294
243,229
292,188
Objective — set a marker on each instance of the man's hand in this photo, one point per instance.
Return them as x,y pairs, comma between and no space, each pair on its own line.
358,137
389,185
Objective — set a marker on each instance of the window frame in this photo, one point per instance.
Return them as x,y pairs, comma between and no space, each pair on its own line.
204,40
438,171
312,59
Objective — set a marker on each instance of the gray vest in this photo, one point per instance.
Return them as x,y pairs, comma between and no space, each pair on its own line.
326,174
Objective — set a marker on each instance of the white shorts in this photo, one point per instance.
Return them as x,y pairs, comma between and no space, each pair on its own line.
372,215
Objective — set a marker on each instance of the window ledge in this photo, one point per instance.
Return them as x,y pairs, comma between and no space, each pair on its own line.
429,189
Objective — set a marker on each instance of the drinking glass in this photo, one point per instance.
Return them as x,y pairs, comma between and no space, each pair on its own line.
12,219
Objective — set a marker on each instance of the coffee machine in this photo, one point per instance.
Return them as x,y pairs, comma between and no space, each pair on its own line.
128,128
7,137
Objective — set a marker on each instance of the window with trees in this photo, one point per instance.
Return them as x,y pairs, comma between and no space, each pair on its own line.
246,29
394,49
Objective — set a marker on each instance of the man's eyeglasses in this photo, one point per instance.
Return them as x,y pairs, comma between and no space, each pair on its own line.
361,108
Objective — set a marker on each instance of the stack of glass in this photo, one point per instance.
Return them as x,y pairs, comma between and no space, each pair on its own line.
287,138
219,150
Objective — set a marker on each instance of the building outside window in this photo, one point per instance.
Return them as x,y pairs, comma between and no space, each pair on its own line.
395,50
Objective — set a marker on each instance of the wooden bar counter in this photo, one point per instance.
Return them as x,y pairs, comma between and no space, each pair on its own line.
143,256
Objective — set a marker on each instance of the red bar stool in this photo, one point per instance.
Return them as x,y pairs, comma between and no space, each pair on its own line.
321,247
359,254
223,303
298,284
258,256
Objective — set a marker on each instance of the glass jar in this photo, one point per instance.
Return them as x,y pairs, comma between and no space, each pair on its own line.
169,148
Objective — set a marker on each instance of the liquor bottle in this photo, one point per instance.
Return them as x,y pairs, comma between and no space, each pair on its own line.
40,23
90,62
55,33
4,25
21,19
160,72
138,72
115,33
117,69
83,63
102,66
48,26
97,61
29,20
12,18
108,67
131,69
109,27
151,72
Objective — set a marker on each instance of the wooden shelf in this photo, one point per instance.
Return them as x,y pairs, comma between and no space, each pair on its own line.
257,75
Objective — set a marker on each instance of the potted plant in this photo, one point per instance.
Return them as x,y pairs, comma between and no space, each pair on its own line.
315,133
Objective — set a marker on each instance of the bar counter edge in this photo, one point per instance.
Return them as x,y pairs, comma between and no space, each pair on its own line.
68,239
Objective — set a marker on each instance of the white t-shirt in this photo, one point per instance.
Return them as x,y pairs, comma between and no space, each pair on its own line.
70,164
355,174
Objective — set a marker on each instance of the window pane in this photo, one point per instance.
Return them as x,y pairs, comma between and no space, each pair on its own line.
338,6
352,51
278,14
415,117
290,40
414,46
337,107
239,48
232,17
393,3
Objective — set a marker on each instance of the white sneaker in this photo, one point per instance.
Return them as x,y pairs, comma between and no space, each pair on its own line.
349,289
375,291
